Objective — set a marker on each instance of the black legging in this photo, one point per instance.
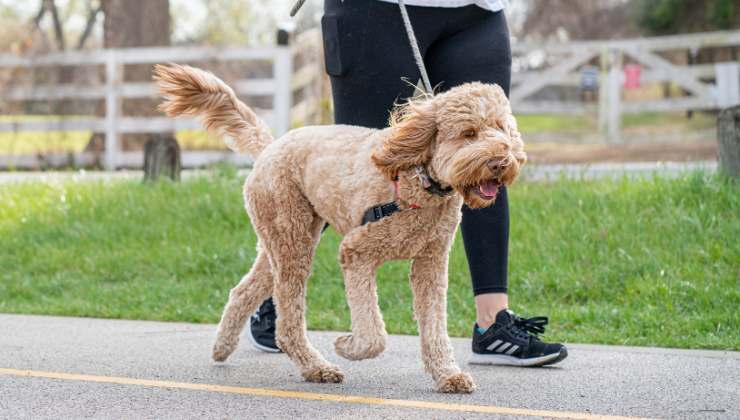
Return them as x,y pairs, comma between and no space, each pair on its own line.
368,55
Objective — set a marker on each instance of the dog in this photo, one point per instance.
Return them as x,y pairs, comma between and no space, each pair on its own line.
392,194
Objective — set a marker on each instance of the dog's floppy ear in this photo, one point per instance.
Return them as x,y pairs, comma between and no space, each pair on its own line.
413,128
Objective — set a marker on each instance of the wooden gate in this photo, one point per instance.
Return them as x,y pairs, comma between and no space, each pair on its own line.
706,86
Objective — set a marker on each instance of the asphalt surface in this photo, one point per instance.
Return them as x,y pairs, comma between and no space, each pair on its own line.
594,380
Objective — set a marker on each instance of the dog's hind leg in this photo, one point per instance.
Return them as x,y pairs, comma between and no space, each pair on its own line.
254,288
368,338
429,284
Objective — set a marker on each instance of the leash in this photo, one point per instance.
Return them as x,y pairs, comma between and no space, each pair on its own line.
414,47
296,7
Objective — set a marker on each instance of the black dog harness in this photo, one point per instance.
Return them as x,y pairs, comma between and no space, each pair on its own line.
430,185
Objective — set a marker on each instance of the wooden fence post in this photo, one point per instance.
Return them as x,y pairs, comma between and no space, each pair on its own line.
603,91
614,95
728,83
282,72
113,77
728,139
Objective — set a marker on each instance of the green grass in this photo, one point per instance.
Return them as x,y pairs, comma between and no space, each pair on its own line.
563,124
670,120
553,123
648,262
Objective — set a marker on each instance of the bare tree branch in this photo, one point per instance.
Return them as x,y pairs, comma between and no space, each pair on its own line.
91,18
58,30
36,24
40,15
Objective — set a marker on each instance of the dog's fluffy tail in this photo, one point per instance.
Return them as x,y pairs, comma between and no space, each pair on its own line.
193,92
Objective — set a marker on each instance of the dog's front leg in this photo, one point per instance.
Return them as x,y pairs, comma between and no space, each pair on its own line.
368,336
429,284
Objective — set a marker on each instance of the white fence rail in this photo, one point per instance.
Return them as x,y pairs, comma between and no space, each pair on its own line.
708,86
281,87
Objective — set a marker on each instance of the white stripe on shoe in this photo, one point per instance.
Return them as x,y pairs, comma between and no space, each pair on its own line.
503,347
512,350
494,345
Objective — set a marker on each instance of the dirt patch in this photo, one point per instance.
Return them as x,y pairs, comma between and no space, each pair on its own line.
643,152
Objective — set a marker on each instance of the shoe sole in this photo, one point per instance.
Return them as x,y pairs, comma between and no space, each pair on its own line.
259,346
504,360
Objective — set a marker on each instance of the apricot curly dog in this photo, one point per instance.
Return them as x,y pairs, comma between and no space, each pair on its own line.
439,151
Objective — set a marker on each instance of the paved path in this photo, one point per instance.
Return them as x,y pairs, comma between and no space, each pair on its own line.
531,172
53,367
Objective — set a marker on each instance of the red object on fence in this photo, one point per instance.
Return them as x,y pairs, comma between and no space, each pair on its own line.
632,76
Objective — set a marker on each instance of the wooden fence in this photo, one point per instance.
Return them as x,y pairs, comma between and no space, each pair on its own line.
285,83
707,86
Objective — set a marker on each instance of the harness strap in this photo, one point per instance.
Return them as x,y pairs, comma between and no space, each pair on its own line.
373,214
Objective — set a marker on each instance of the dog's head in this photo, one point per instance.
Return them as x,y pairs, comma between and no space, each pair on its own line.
466,137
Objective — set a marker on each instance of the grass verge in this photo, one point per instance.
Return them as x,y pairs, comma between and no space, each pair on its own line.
647,262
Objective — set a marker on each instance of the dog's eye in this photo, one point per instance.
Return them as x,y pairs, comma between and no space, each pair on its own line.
469,133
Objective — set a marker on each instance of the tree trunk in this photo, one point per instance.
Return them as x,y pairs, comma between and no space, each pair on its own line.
728,139
129,24
136,23
162,157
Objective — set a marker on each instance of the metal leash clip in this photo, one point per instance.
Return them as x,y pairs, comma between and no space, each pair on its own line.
423,177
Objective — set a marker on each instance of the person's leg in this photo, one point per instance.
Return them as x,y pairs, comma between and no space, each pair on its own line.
479,51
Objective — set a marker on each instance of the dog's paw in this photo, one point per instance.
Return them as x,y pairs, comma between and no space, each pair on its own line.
324,374
222,350
458,383
351,348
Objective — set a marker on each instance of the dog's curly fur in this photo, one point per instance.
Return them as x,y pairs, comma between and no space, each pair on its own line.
466,138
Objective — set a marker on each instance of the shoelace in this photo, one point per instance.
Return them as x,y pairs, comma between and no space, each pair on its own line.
534,325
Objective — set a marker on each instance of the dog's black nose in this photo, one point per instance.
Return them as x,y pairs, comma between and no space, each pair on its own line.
495,166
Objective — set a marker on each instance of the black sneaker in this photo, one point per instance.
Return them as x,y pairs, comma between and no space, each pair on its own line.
513,341
262,328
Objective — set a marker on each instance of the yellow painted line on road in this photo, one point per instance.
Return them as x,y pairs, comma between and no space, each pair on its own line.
279,393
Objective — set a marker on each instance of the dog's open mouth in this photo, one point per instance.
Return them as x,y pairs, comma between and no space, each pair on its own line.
487,190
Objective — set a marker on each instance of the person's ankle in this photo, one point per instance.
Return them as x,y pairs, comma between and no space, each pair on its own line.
486,320
488,305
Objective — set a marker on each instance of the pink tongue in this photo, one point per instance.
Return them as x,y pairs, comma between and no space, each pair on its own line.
488,189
